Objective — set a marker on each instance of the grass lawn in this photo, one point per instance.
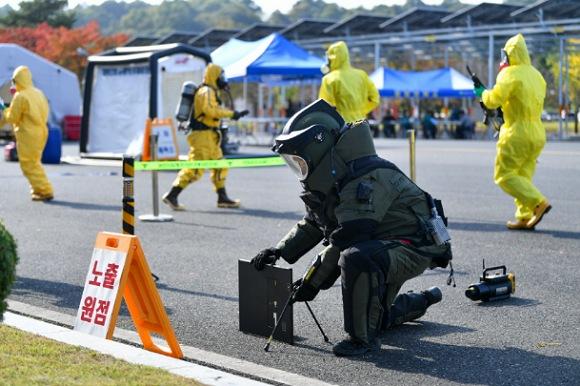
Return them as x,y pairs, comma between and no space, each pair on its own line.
27,359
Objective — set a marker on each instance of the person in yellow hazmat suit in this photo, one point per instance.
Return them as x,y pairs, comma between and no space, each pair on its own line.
519,90
28,114
348,89
205,139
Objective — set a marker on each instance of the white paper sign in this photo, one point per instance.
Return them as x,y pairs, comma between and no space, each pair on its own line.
166,148
101,287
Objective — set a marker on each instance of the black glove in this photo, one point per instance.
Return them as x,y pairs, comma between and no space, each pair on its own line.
266,256
238,114
304,292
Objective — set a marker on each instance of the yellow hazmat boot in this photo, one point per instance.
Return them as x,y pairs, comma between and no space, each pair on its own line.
541,209
519,225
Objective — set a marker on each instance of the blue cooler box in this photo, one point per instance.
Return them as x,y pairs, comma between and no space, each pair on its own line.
53,149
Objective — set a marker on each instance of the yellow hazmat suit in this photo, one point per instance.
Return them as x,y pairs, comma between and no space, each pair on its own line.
348,89
28,113
520,90
205,144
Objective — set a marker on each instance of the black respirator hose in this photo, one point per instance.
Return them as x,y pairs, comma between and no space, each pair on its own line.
228,100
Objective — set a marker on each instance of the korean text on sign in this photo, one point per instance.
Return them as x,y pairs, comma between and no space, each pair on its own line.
100,291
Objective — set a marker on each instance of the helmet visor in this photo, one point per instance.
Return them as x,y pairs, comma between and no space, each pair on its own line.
297,164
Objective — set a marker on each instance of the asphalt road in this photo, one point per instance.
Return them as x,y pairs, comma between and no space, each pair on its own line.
531,339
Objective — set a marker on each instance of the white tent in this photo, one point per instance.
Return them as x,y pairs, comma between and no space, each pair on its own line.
125,86
60,85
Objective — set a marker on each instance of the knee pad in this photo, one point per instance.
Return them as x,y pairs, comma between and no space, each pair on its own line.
363,285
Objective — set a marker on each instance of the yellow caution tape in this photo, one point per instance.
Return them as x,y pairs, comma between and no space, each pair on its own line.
210,164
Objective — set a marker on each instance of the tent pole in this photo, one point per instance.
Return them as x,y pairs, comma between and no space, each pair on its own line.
567,96
270,100
260,100
377,55
283,99
245,92
560,91
490,81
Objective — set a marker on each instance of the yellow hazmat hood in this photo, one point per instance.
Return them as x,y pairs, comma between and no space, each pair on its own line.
517,50
211,75
338,55
22,78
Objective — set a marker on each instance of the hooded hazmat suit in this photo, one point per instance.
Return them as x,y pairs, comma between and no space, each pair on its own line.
28,113
519,90
348,89
204,144
372,218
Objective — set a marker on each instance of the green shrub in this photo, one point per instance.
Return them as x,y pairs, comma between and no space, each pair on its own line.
8,261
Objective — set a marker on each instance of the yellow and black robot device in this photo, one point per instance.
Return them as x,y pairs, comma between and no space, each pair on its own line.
494,284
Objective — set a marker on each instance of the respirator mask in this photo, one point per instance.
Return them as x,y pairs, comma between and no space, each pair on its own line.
325,68
505,60
222,83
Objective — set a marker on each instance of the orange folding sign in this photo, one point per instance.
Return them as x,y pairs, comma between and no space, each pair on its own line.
119,269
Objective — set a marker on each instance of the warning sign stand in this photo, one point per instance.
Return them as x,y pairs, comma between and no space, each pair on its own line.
118,270
167,148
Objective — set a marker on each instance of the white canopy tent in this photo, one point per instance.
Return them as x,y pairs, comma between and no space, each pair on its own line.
60,85
126,86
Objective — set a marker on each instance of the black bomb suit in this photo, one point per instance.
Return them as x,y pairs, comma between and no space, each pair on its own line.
373,220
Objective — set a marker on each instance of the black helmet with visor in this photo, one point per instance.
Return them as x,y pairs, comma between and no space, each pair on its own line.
308,136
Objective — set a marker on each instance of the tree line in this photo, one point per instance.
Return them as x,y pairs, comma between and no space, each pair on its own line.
140,18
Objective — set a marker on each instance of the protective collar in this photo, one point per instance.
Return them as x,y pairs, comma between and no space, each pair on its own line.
326,175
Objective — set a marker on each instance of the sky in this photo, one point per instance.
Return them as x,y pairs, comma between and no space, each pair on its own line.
269,6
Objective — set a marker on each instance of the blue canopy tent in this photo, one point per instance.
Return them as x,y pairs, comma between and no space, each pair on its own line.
272,59
442,83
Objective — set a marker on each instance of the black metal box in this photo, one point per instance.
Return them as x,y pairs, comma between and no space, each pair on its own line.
263,295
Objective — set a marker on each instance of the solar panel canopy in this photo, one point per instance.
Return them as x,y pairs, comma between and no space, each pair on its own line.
257,31
308,29
359,24
415,19
548,10
480,14
213,37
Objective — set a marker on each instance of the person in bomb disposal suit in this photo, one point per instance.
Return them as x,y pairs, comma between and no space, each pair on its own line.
205,139
379,228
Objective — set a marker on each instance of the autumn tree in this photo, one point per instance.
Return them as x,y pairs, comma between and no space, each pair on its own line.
64,46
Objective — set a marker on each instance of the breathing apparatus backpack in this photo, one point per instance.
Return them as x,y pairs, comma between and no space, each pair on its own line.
185,110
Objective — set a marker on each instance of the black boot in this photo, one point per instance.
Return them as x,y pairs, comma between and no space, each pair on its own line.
170,198
433,295
410,306
351,346
224,201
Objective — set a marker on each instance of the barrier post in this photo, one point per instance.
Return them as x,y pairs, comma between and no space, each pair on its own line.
412,154
155,217
129,198
128,195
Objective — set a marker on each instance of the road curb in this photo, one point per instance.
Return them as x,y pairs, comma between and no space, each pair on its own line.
126,352
228,365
